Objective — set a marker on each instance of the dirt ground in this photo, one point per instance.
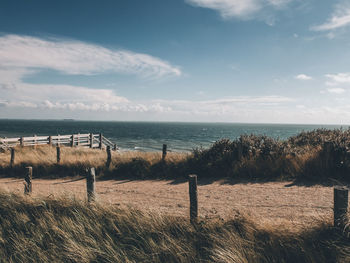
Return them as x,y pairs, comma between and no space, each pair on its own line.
273,203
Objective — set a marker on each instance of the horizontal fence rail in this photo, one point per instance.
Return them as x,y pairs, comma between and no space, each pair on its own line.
87,140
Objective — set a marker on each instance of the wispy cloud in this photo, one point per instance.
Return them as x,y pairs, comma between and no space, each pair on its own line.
339,18
74,57
336,90
242,9
303,77
337,79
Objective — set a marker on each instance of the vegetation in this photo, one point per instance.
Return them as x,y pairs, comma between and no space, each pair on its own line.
37,230
304,157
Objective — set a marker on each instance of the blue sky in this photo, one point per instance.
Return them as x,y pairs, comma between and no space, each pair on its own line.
272,61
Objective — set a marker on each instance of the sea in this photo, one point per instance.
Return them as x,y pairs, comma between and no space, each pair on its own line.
150,136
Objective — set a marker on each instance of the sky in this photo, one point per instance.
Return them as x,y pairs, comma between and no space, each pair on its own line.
245,61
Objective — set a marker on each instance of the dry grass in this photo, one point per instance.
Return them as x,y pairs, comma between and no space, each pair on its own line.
63,230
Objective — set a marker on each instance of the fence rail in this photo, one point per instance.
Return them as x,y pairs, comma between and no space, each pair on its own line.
87,140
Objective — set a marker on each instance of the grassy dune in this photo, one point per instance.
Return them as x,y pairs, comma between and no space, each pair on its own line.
253,158
36,230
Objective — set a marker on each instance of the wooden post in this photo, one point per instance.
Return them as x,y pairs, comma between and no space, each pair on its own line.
90,184
58,150
78,139
192,180
21,142
340,206
109,156
164,151
58,140
72,142
91,140
100,145
50,140
12,161
34,146
28,180
114,147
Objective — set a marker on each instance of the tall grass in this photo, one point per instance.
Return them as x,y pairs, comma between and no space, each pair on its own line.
250,157
63,230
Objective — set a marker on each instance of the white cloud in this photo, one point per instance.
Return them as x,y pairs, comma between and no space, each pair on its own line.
340,18
337,79
303,77
74,57
336,90
238,8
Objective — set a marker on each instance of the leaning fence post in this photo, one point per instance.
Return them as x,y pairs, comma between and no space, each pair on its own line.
100,145
72,142
91,140
50,140
109,156
21,142
58,151
164,151
192,182
12,161
28,180
340,206
90,184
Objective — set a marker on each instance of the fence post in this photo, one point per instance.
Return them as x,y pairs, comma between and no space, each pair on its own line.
34,146
72,142
164,151
28,180
50,140
21,142
340,206
78,139
109,156
91,140
192,182
100,145
114,147
58,150
12,161
90,184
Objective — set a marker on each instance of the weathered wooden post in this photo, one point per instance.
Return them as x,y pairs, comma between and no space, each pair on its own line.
91,140
90,184
34,141
50,140
58,151
72,142
340,206
328,151
21,142
164,152
78,139
114,147
109,156
12,160
192,182
100,145
28,180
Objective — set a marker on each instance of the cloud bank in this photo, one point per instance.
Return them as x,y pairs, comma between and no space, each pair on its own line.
242,9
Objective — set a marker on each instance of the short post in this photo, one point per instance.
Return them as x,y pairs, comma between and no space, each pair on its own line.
72,142
78,139
340,206
100,145
91,140
12,161
28,180
50,140
34,146
164,152
109,156
114,147
90,184
58,150
192,180
21,142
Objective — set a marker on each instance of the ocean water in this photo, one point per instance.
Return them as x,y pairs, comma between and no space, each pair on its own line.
150,136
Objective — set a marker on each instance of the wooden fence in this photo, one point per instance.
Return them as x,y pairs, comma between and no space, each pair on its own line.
87,140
